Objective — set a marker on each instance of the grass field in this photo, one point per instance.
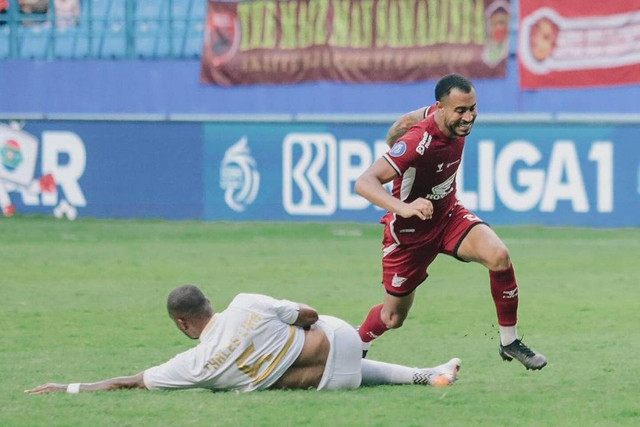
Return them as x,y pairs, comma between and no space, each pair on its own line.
84,300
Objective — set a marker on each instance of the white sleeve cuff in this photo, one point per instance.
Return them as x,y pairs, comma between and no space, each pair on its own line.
287,311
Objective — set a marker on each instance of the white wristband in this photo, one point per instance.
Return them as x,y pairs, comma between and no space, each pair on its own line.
73,388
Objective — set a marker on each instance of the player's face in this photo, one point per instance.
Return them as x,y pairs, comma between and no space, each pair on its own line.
459,112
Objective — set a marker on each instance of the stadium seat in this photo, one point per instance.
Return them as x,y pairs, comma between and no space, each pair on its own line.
102,29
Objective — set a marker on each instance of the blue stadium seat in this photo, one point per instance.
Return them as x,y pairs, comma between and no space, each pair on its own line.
103,27
66,41
33,41
4,41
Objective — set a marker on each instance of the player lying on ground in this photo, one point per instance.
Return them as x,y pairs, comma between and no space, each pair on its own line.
259,342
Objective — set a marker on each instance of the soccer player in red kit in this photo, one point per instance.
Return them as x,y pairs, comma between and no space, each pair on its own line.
425,218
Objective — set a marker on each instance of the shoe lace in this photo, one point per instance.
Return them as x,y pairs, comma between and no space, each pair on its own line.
524,349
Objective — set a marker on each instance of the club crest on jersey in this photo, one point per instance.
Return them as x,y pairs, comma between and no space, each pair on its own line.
398,149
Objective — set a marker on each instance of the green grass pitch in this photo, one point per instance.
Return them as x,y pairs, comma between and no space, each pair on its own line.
84,300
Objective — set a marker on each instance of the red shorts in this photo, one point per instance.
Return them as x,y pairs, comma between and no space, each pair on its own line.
404,267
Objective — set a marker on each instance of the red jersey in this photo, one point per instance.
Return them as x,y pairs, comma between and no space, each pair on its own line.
426,162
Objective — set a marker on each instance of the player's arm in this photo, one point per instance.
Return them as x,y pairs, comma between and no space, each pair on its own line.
370,186
403,124
117,383
291,313
307,316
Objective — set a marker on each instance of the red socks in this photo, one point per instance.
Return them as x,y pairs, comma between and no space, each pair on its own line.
372,327
504,290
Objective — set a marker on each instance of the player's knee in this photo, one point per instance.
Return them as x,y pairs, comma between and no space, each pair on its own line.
500,259
394,320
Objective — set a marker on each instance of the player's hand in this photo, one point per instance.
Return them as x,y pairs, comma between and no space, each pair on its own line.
48,388
422,208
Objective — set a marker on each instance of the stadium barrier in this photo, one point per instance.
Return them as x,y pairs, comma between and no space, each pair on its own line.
564,169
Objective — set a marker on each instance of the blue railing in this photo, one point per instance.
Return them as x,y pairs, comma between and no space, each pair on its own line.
105,29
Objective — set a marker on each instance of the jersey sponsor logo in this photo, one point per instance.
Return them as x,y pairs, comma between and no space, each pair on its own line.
398,149
397,281
239,177
442,190
425,142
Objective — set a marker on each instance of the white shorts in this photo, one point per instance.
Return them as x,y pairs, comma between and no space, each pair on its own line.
343,370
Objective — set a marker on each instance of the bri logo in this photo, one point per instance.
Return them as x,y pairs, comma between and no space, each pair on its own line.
239,176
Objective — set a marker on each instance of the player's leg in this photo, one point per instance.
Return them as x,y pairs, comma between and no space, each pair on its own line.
482,245
377,373
404,268
343,369
382,317
479,243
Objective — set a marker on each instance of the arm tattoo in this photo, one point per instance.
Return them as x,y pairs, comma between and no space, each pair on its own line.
399,128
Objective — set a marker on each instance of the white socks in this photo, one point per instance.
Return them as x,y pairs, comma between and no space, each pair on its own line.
508,334
376,373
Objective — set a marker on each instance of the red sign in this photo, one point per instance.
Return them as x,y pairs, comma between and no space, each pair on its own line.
564,43
291,41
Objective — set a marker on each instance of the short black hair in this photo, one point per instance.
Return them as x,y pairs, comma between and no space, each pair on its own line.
452,81
188,301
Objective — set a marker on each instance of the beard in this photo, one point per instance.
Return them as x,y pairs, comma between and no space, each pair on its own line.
460,128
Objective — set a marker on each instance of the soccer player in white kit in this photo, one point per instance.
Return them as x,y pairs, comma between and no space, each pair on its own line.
259,342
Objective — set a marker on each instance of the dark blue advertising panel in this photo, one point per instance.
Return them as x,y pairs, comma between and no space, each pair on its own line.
560,174
102,169
510,174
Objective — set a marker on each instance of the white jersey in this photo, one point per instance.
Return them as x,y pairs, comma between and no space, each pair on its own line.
247,347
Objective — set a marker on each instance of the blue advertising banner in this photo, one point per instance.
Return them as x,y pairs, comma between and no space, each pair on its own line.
511,174
560,174
103,169
582,175
289,171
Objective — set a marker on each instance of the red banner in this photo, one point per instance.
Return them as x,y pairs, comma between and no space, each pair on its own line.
291,41
564,43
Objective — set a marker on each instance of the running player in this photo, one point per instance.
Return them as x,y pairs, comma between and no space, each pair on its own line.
425,218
